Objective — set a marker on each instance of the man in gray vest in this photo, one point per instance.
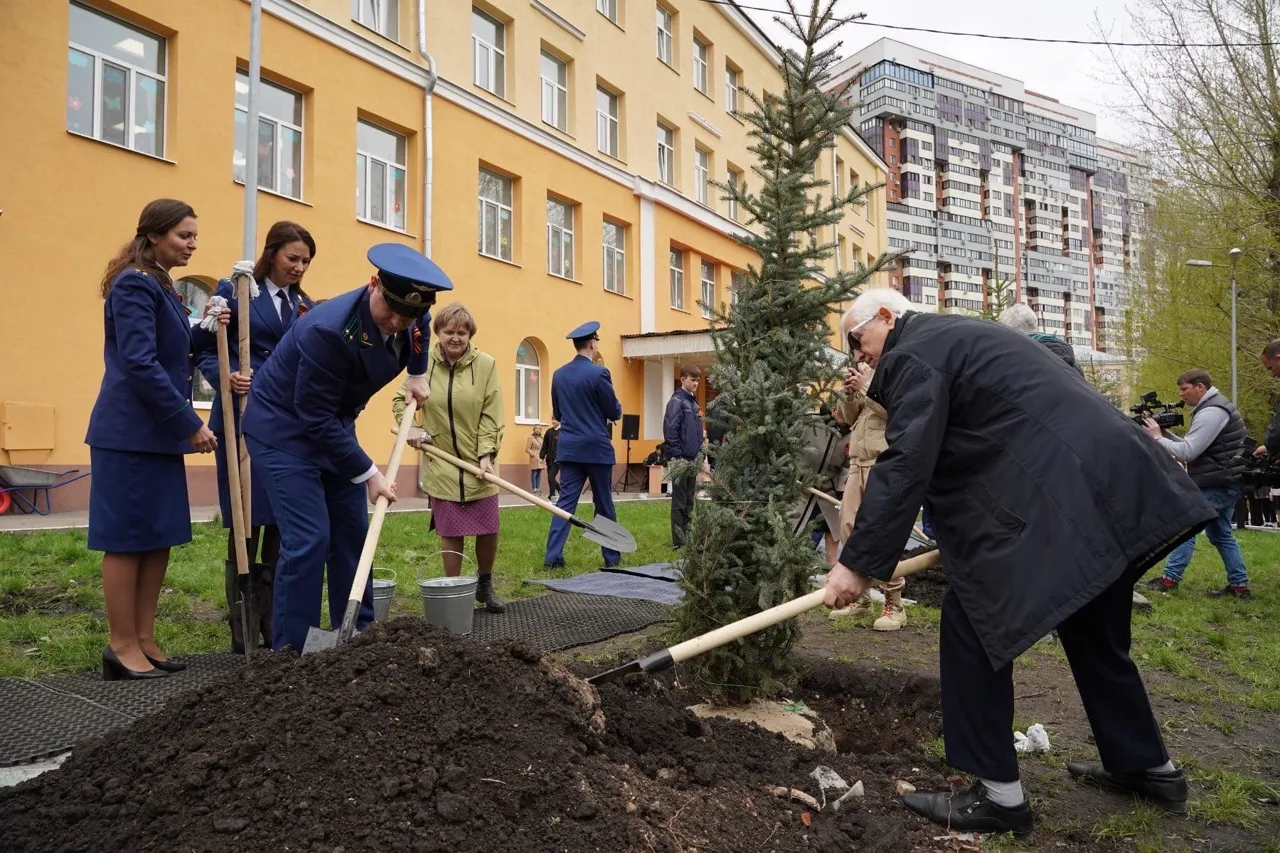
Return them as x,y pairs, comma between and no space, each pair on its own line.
1212,452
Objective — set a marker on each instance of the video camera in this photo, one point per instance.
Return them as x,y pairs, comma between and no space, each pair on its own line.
1162,413
1260,471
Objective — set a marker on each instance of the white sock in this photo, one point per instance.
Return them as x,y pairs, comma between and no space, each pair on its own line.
1167,767
1007,794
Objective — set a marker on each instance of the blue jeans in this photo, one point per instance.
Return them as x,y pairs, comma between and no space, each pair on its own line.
535,479
1224,500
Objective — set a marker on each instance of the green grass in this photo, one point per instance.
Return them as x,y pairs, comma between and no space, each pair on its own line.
67,630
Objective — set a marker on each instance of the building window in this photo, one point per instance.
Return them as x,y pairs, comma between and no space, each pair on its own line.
708,288
702,175
555,92
380,175
381,16
608,8
489,44
528,387
606,122
734,179
279,136
194,294
677,279
666,155
559,238
666,36
615,256
731,77
496,216
115,82
701,55
737,281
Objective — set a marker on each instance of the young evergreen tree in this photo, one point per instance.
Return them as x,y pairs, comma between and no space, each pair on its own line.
743,553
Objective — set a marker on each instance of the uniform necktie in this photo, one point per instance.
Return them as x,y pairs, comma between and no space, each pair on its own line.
286,309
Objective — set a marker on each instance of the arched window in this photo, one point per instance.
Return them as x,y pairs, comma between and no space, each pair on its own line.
195,293
528,389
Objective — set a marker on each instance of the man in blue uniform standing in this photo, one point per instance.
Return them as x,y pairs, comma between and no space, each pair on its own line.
584,403
300,426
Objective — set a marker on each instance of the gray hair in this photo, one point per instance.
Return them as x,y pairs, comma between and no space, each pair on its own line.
1020,318
869,302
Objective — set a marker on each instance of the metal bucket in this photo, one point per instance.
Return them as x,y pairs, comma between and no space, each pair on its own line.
449,602
384,589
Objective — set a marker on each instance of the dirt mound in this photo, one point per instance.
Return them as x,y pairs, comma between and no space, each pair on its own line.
412,739
928,587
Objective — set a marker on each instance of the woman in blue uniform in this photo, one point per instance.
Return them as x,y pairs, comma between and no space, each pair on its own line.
285,257
141,425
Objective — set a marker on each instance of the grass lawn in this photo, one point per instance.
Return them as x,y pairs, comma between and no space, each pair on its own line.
51,609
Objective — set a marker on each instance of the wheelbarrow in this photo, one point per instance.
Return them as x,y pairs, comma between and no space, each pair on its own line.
15,479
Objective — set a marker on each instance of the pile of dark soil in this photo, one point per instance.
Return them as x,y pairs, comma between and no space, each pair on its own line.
413,739
928,587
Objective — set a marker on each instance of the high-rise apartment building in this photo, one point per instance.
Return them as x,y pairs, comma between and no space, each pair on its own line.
989,181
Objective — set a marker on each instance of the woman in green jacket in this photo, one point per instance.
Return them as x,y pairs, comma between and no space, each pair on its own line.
463,417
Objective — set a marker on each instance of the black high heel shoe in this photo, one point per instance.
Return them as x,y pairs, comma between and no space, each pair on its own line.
114,670
166,665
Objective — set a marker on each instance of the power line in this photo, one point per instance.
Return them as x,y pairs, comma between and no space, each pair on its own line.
1035,39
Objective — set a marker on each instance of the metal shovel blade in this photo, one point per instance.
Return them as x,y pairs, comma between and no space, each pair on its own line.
319,640
246,601
609,533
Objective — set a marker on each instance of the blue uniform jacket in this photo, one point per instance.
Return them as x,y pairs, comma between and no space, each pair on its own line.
265,332
682,426
144,403
583,400
306,397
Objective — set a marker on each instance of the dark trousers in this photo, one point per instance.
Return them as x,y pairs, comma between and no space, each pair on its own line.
323,519
682,492
977,701
553,477
573,476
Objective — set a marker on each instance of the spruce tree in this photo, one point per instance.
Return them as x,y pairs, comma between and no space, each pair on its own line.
742,552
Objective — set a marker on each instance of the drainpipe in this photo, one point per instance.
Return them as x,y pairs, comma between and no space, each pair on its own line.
249,237
428,142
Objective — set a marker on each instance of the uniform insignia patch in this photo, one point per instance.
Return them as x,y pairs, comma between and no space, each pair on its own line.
417,340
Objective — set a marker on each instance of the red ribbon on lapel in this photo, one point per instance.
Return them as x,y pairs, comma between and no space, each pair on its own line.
417,340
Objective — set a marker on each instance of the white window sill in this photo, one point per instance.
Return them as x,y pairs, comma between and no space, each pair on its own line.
623,294
492,94
522,421
276,194
681,310
562,277
384,227
120,147
380,35
201,407
560,130
500,260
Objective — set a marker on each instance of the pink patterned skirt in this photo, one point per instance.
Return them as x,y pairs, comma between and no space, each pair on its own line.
455,520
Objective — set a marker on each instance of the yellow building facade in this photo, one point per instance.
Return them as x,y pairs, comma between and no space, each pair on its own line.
558,171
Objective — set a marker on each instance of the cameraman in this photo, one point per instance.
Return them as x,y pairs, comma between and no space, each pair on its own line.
1212,453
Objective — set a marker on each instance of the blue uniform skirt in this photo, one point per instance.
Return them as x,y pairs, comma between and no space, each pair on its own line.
137,501
261,508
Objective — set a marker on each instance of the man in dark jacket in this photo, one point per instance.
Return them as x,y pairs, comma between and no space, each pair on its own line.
550,442
682,441
1048,505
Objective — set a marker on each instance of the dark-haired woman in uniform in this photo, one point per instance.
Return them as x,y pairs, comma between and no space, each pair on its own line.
141,426
285,257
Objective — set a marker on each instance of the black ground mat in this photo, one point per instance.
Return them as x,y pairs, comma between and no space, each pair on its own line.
136,699
565,620
36,722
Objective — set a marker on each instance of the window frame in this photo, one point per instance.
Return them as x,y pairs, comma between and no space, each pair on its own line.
390,11
666,36
733,177
560,92
198,383
606,122
608,8
732,88
676,278
615,257
701,66
278,123
669,178
499,206
565,236
707,291
499,79
389,199
702,176
521,400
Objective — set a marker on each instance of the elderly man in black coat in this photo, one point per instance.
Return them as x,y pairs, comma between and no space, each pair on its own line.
1048,504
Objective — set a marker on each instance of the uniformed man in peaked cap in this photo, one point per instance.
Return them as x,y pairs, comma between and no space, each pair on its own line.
583,401
300,424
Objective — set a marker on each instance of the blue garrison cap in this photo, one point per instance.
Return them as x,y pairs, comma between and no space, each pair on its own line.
586,330
410,280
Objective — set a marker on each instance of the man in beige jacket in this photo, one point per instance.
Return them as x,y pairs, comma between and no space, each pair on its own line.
866,443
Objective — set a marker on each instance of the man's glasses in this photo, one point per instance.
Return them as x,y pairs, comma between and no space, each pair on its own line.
854,335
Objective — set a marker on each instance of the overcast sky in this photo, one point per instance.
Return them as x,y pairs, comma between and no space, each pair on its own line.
1074,74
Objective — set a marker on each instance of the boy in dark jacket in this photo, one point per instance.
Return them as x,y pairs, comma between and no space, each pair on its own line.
682,440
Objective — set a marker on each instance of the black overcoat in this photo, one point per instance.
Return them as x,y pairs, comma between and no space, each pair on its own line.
1042,494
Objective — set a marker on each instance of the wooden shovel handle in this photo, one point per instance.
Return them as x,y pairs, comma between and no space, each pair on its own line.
380,507
781,613
243,295
230,445
497,481
821,495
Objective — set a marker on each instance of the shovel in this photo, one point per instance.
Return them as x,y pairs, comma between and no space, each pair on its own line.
319,640
833,502
244,590
600,530
681,652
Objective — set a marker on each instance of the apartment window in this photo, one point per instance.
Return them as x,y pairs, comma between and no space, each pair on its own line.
606,122
702,175
734,179
731,85
677,279
615,256
559,238
115,82
528,382
194,294
666,155
555,92
666,36
737,281
708,288
381,16
380,175
496,216
279,136
701,54
489,44
608,8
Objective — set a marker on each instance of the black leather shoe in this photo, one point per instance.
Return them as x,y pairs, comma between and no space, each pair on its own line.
1168,790
166,665
970,811
553,565
114,670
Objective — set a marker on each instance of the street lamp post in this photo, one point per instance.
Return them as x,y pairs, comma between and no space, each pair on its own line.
1234,255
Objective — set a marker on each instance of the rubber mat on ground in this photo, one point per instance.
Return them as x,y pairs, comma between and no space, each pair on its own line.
138,698
36,722
657,571
618,585
566,620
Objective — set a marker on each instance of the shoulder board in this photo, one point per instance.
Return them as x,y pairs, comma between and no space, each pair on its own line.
354,330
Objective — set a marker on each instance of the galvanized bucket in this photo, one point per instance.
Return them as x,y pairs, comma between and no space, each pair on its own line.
384,590
449,602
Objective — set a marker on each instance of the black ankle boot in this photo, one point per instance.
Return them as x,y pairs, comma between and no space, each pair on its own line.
486,596
264,580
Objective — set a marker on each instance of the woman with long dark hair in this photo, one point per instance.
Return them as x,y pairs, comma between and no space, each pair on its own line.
285,257
141,426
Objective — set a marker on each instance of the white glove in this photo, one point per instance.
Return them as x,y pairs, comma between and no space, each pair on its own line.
246,268
212,309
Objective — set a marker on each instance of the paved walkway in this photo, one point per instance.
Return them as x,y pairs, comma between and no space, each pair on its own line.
14,523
